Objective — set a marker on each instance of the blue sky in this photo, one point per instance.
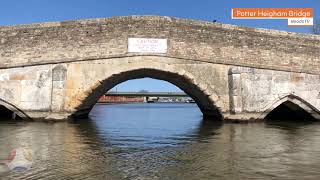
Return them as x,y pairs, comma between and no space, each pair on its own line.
31,11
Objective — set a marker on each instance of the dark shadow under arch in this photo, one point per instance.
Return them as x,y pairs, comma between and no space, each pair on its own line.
292,107
290,112
7,107
205,104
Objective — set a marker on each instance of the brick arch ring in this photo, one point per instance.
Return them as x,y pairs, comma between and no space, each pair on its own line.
185,81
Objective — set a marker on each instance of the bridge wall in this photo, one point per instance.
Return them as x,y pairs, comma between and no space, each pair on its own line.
256,92
57,91
67,88
54,70
61,42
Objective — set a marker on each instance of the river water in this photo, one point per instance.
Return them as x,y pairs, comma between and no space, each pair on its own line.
162,141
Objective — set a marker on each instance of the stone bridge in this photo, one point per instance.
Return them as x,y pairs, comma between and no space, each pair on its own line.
59,70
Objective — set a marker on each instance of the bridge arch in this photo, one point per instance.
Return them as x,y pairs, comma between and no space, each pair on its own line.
204,98
295,101
14,109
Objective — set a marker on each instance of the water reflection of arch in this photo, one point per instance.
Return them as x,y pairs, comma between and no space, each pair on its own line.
87,128
206,129
298,142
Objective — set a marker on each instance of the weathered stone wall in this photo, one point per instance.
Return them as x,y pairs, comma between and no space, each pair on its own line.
188,39
206,83
258,91
60,90
69,88
28,88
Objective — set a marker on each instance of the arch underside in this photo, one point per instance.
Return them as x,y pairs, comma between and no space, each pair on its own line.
292,107
8,107
205,104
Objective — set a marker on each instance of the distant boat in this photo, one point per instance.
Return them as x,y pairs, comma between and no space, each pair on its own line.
152,99
190,101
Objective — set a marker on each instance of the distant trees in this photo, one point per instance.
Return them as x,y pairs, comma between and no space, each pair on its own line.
316,27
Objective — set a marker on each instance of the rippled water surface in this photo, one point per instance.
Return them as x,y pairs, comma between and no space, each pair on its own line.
162,141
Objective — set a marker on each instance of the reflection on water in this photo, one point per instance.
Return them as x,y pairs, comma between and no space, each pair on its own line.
146,125
163,141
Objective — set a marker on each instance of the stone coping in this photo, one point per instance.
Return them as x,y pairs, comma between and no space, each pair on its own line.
186,22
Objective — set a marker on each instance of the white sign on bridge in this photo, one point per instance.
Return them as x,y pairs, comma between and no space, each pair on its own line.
147,45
